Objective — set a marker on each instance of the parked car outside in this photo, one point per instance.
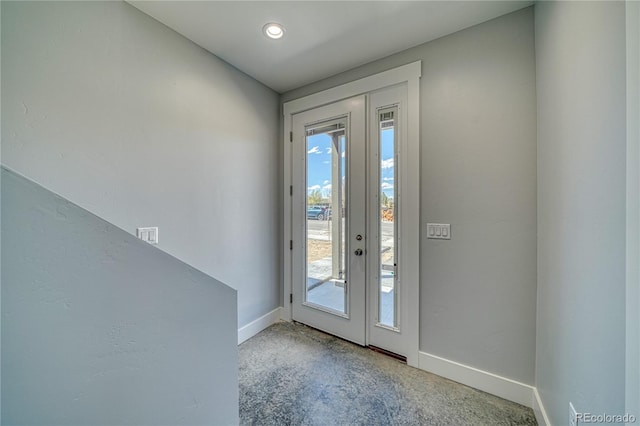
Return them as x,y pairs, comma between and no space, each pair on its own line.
318,213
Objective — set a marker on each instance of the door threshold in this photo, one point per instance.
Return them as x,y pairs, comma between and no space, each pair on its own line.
326,332
393,355
388,353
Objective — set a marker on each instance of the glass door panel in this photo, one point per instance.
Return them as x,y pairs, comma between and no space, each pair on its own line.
326,183
387,300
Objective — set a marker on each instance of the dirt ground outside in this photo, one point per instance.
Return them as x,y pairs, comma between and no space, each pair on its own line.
318,249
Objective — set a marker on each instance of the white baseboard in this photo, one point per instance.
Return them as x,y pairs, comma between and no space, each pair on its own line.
475,378
538,409
256,326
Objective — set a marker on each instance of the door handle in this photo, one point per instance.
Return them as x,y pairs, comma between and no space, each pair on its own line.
358,252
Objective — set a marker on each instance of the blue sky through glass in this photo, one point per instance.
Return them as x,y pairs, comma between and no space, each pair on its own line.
319,163
387,161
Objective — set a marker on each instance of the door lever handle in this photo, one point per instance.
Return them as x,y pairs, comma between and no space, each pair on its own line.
358,252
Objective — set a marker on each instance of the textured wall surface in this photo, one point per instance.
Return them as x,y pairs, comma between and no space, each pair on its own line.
478,173
632,357
580,60
121,115
98,327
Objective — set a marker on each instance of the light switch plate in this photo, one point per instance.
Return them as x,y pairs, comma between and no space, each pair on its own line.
439,231
148,234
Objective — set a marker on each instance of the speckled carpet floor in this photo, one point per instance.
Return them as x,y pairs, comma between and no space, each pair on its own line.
291,374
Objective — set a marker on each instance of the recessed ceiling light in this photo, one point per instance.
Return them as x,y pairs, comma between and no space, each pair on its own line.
273,30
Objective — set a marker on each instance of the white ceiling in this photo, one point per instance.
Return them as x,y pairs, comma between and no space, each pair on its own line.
322,38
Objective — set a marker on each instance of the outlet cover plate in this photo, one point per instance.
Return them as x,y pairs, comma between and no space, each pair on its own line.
573,415
148,234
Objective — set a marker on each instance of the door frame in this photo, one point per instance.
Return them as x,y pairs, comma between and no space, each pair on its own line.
409,178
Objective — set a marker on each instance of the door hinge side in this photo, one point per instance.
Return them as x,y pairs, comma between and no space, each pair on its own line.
290,244
291,190
290,136
290,297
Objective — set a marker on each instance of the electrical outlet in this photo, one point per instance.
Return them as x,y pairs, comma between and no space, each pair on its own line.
573,416
149,234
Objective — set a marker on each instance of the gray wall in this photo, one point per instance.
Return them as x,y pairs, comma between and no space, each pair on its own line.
0,209
99,327
633,210
580,64
478,172
121,115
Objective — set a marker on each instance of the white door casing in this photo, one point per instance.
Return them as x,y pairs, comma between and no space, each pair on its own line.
408,181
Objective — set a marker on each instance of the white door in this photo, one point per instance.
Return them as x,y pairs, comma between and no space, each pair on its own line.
328,220
346,210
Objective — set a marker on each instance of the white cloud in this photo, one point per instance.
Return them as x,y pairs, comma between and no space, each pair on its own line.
329,150
386,164
313,188
327,188
388,179
386,185
326,182
342,154
314,150
326,162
